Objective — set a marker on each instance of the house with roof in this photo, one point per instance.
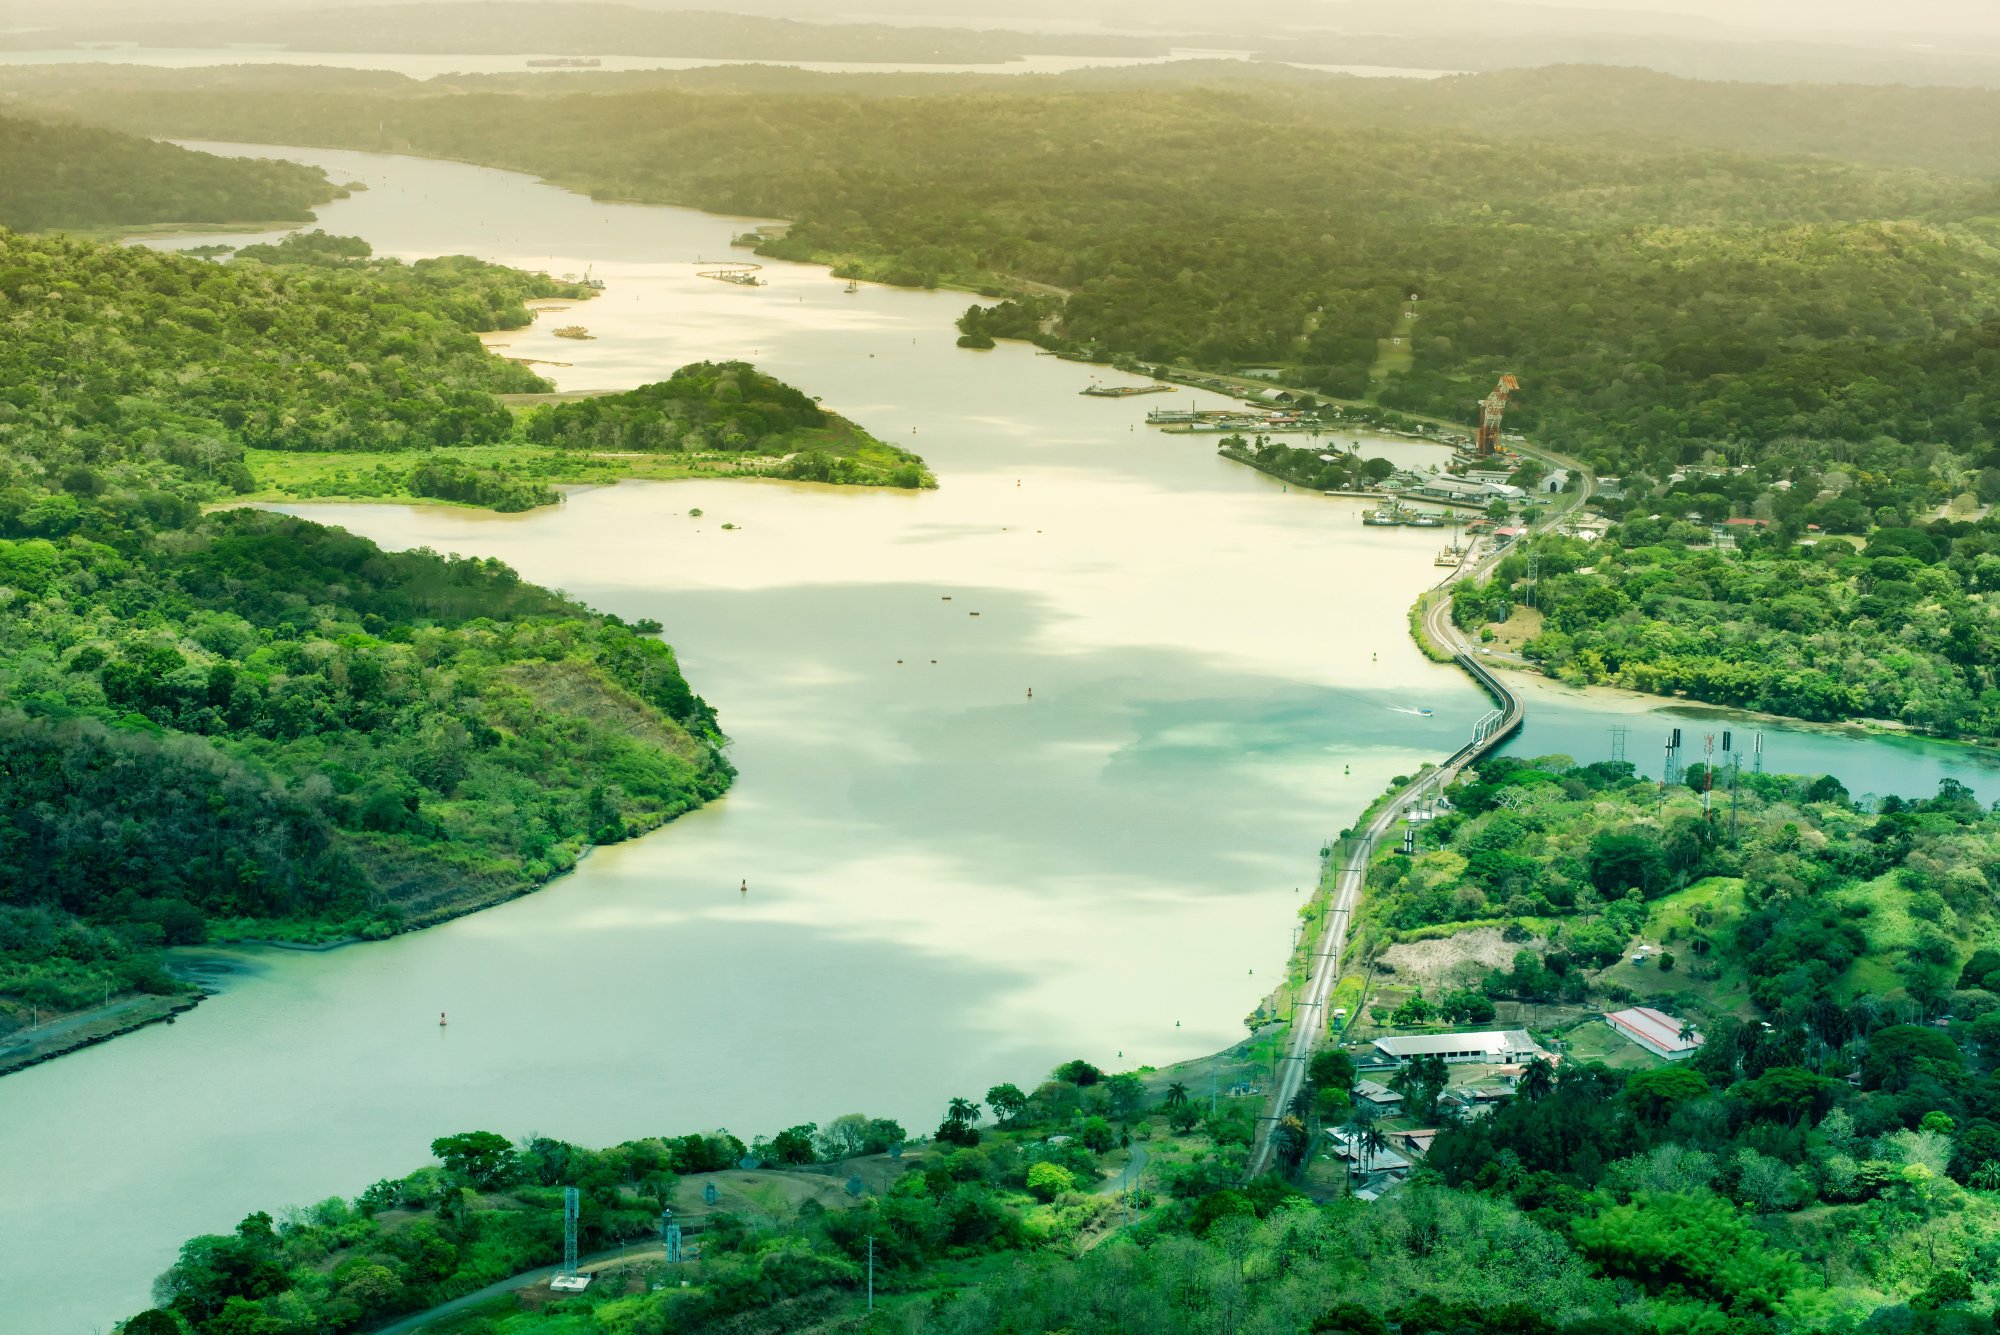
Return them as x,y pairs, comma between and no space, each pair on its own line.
1361,1159
1378,1094
1656,1031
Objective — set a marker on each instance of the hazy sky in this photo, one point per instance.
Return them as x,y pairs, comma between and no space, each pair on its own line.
1798,18
1805,17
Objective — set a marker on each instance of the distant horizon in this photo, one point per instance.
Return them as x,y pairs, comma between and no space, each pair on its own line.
1797,20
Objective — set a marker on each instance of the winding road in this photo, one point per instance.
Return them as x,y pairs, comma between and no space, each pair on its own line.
1309,1018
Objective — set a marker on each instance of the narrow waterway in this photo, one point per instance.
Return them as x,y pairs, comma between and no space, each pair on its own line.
950,883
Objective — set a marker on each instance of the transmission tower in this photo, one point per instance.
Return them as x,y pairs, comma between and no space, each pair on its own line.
1672,774
670,1234
570,1201
1618,742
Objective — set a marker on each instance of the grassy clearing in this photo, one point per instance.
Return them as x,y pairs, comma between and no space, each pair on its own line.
1595,1041
363,475
1395,352
1708,904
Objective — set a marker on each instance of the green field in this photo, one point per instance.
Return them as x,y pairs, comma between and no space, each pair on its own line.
1396,351
1596,1041
364,475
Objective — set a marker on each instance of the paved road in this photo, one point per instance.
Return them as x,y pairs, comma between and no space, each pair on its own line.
1128,1176
506,1286
1309,1019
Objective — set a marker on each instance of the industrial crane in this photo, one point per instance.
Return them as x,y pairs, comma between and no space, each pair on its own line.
1491,409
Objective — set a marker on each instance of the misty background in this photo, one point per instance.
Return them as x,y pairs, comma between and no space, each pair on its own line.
1917,41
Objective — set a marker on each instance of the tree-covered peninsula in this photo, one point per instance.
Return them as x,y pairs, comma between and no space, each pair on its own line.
75,178
233,723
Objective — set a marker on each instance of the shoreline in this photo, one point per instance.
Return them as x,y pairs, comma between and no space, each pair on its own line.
96,1026
1605,693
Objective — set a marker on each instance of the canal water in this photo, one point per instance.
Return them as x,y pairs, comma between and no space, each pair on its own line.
951,883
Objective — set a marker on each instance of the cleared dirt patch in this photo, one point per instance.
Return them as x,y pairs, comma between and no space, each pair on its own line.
1455,961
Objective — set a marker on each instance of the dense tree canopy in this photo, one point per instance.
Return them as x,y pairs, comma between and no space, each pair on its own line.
248,724
67,176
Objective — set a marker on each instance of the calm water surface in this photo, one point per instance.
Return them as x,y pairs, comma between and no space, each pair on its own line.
430,66
951,884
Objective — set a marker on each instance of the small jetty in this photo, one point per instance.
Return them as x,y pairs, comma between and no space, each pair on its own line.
573,331
1125,391
851,288
743,275
566,63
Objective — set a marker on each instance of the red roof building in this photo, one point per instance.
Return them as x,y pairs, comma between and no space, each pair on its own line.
1655,1031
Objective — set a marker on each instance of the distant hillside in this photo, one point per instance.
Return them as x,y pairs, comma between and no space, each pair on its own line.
585,29
65,176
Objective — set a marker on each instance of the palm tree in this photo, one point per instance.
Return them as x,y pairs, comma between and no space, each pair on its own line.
1538,1079
1687,1030
963,1112
1373,1142
1292,1142
1987,1176
1176,1094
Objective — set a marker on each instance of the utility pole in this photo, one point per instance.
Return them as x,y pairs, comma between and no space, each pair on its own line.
1708,778
871,1272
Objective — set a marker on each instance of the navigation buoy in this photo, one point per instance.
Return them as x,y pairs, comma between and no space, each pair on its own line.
440,1019
746,885
1031,692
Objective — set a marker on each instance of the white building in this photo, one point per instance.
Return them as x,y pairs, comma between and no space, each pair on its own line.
1655,1031
1554,482
1495,1046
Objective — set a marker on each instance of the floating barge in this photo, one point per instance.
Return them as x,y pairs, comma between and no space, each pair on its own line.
1125,391
743,275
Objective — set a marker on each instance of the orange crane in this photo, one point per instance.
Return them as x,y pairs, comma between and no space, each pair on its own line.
1491,409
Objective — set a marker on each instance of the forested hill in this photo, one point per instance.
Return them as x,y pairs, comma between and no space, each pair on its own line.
250,724
75,177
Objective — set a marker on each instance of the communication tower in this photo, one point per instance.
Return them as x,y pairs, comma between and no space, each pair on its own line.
566,1280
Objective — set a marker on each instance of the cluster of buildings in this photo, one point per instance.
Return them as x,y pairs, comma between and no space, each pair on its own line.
1506,1052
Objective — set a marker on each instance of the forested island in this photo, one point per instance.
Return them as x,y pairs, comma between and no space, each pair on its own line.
1828,1159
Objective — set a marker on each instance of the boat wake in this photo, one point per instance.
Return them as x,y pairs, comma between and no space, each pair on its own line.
1405,709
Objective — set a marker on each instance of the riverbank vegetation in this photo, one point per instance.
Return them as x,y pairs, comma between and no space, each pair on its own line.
1827,1161
1864,617
237,723
72,178
1831,954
